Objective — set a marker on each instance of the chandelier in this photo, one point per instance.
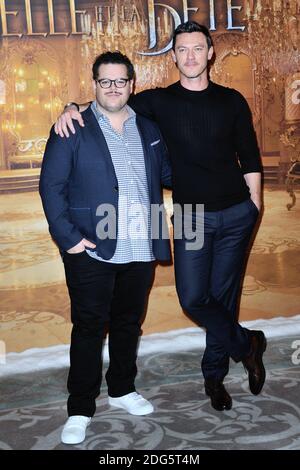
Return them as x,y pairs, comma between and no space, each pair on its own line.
125,28
274,31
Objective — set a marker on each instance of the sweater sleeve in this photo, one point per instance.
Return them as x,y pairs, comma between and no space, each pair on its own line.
142,103
245,138
166,171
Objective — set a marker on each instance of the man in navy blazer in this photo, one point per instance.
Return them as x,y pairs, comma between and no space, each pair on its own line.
99,200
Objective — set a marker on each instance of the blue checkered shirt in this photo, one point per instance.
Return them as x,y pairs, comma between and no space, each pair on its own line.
127,155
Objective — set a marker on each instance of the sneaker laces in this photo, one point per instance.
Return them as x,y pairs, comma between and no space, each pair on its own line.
135,396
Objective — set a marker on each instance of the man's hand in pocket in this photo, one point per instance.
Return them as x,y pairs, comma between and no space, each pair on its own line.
81,246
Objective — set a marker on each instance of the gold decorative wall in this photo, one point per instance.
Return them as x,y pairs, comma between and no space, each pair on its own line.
46,51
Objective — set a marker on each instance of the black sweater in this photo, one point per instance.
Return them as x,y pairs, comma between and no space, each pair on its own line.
210,138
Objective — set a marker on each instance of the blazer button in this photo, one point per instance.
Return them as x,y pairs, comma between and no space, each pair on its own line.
116,188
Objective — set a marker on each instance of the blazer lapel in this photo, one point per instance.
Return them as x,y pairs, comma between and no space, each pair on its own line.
91,122
147,157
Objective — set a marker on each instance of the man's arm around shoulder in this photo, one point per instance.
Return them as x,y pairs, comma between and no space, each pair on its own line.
64,122
166,170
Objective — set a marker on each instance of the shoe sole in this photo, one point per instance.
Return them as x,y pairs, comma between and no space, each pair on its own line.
72,443
130,412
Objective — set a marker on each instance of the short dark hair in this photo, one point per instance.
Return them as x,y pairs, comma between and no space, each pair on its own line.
115,57
192,27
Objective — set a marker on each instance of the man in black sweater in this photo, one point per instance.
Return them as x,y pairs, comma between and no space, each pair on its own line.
215,161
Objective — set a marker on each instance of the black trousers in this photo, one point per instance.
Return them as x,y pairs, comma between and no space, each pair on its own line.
208,282
103,293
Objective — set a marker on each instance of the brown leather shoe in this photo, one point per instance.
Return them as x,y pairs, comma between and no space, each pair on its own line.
254,363
219,397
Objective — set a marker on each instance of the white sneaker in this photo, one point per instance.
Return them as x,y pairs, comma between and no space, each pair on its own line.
134,403
74,429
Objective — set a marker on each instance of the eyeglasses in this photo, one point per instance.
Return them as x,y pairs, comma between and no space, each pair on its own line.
107,83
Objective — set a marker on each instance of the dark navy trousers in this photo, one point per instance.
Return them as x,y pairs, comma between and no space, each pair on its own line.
208,283
104,295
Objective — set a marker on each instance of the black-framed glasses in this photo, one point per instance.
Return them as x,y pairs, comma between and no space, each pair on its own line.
107,82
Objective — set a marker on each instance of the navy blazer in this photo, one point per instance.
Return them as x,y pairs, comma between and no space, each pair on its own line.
78,175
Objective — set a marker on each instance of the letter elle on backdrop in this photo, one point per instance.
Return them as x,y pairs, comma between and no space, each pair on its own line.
74,9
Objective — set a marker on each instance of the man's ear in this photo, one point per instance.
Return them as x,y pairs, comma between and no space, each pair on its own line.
94,85
210,52
173,55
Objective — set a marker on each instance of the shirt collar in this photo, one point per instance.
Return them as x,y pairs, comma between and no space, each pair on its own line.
100,116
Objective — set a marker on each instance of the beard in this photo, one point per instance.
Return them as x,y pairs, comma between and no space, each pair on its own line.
112,105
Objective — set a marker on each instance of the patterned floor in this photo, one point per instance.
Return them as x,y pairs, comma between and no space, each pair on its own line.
33,408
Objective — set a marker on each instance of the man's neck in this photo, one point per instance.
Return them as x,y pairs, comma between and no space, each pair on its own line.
117,118
194,84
